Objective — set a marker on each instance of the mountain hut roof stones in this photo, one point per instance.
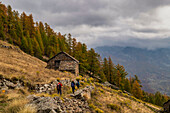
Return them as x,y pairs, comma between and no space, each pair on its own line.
166,106
64,62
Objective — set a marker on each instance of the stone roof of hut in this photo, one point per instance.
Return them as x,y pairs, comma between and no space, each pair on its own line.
166,102
66,54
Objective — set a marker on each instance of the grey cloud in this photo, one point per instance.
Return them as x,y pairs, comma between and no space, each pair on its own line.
101,22
135,7
150,30
58,6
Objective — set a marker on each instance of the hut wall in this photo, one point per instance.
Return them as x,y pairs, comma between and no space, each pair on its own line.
67,65
61,57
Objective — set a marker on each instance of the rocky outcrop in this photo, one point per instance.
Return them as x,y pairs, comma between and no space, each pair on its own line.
56,105
107,84
78,104
6,84
7,46
84,93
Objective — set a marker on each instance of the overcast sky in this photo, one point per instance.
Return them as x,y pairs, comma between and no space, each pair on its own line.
139,23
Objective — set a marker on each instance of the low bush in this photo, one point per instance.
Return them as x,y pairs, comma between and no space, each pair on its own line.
114,107
98,110
127,104
92,106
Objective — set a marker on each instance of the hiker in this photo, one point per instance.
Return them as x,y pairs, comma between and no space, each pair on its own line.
78,84
73,85
59,85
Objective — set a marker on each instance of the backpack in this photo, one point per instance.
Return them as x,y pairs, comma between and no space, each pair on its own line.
72,84
58,86
77,83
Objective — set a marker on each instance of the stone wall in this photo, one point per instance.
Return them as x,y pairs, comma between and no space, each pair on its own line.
67,65
6,84
50,87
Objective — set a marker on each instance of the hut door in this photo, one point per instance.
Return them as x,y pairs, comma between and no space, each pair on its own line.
57,64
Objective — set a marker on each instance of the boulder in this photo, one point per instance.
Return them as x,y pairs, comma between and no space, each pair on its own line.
107,84
10,84
43,104
84,93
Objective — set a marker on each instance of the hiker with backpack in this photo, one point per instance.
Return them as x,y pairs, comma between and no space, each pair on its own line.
78,84
59,85
73,85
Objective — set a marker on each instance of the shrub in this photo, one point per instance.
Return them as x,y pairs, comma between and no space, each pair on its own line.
83,84
120,92
79,78
98,110
85,80
55,95
98,84
92,106
127,104
90,80
101,90
58,79
114,107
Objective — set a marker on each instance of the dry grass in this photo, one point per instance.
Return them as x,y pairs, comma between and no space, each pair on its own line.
16,105
26,67
19,106
15,101
111,101
28,109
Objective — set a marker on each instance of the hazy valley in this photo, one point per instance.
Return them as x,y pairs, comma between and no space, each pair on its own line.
152,66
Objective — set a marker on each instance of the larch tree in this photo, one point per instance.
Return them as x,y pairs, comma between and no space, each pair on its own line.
136,90
106,69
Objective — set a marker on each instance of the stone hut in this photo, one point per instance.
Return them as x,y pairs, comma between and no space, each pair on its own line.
64,62
166,106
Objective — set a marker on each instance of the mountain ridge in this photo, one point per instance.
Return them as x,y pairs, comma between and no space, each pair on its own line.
152,66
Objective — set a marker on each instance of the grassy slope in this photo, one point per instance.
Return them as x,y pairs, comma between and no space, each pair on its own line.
114,101
15,63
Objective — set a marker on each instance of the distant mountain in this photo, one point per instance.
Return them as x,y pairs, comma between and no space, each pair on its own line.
151,66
